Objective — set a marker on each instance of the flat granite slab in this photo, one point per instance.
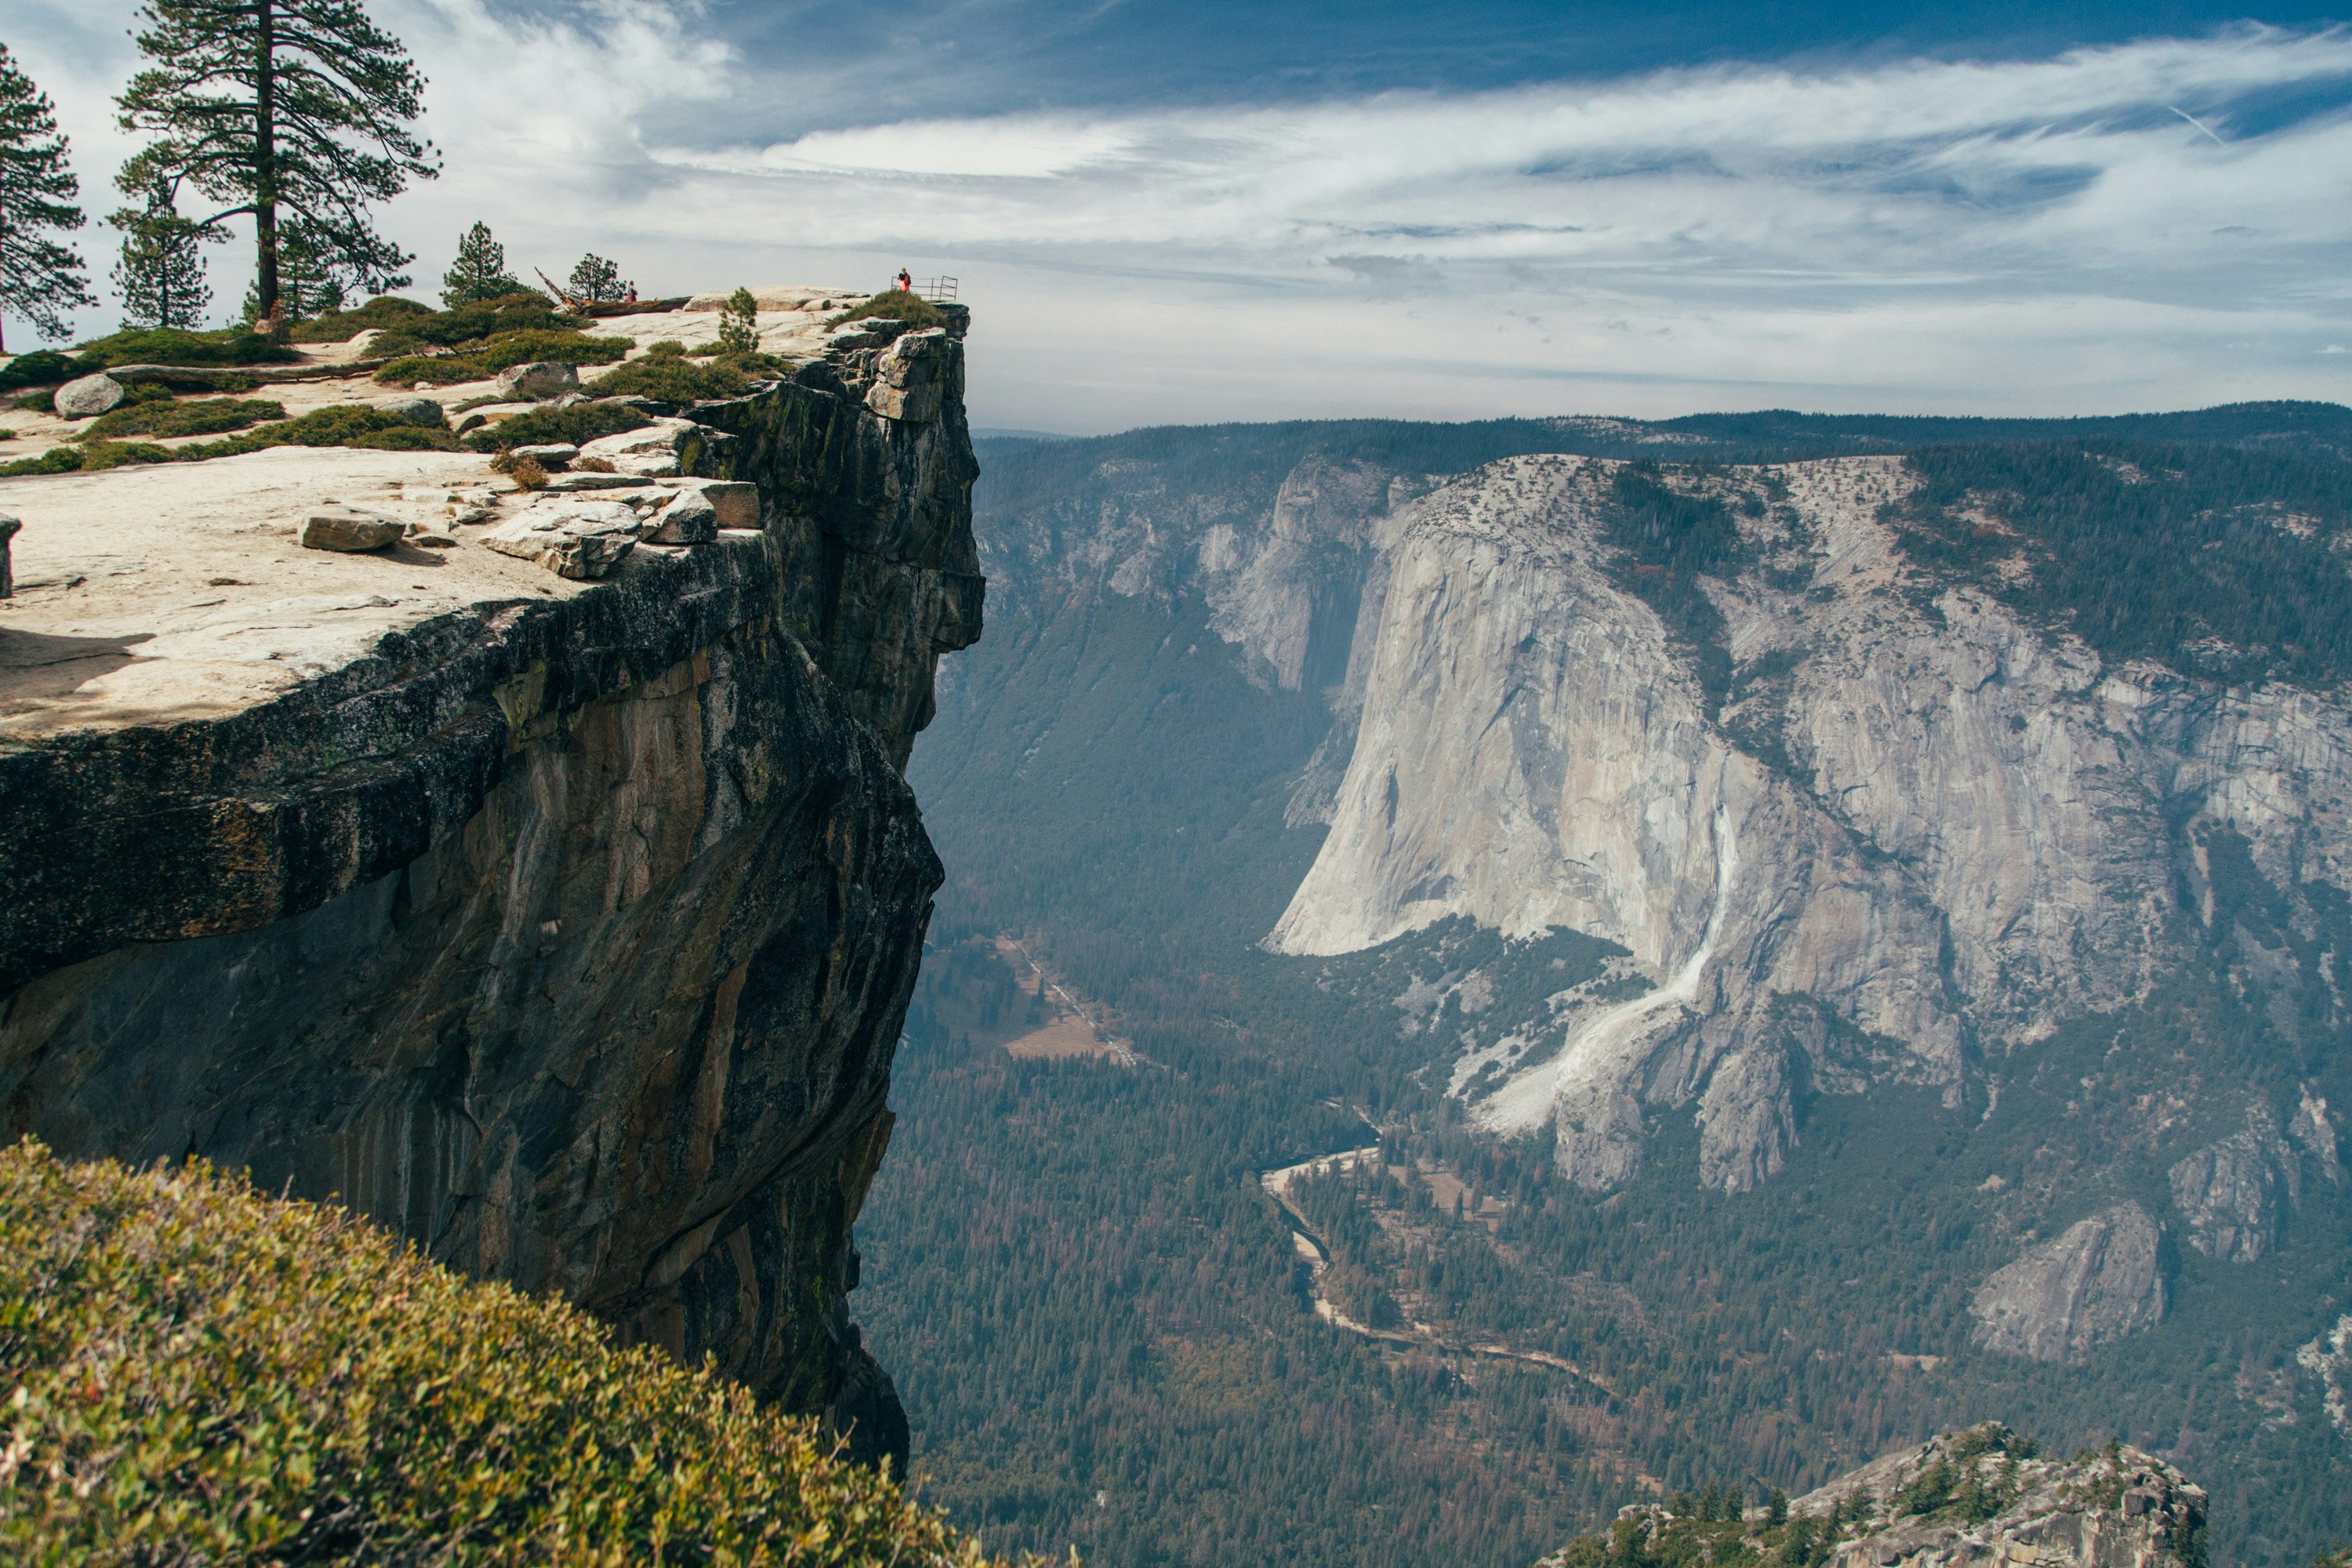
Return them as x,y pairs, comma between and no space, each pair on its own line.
157,594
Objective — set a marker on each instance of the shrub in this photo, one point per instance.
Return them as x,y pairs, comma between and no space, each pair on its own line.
670,378
528,472
580,423
44,367
41,402
896,305
385,313
162,416
478,361
470,325
338,425
203,1375
171,345
559,345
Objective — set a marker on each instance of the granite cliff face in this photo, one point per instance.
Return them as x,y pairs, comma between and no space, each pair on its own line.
567,930
1911,829
1884,829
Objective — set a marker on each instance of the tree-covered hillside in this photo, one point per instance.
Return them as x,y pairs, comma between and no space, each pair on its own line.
1106,1328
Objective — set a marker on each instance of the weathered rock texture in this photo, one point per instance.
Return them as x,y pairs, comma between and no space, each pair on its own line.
1976,1499
2125,1509
1912,827
2097,1281
569,936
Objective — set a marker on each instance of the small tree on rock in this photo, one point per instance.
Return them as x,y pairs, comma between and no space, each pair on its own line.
40,279
597,281
739,324
479,272
295,112
161,271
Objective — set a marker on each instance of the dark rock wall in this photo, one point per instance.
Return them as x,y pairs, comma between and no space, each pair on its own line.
570,939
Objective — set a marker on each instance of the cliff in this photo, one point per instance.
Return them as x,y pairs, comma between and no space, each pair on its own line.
564,926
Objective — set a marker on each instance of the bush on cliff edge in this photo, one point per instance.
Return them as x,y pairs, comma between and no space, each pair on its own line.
195,1373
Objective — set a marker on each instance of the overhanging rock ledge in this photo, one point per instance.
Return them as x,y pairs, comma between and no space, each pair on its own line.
566,927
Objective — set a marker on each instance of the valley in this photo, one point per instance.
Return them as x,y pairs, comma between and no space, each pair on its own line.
1884,929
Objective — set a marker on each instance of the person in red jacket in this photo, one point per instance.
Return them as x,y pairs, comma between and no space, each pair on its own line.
906,284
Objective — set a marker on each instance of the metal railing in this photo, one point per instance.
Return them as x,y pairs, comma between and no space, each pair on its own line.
939,291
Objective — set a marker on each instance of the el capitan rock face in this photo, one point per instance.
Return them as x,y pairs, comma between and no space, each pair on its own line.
567,931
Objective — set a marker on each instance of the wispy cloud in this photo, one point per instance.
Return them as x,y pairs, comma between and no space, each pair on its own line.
2090,230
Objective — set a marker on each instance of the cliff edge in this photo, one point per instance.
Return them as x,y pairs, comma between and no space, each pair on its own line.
565,926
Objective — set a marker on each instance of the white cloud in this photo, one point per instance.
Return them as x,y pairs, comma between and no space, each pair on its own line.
2053,235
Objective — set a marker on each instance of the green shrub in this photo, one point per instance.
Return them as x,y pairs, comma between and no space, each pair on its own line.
670,378
162,416
559,345
201,1375
171,345
897,305
480,361
385,313
41,402
581,422
56,460
44,367
338,425
483,319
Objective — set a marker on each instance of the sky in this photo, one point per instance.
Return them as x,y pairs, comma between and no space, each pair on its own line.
1184,214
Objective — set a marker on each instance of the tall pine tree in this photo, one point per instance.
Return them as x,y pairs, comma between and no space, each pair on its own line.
161,272
479,272
40,279
294,113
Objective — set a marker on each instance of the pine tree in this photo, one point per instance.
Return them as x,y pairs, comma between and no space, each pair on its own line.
39,279
479,272
739,334
161,272
306,281
294,113
597,281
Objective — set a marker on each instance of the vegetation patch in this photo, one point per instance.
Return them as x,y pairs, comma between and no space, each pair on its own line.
581,422
340,424
385,313
2152,552
162,416
44,367
476,362
203,1374
665,373
173,345
1666,539
896,305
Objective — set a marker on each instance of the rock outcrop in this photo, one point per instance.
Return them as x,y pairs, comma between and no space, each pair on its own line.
2234,1196
567,928
1963,1499
2099,1280
1982,1498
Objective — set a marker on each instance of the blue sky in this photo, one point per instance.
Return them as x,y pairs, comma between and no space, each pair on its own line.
1167,213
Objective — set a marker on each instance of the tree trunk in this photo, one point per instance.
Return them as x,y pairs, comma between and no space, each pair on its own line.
265,158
